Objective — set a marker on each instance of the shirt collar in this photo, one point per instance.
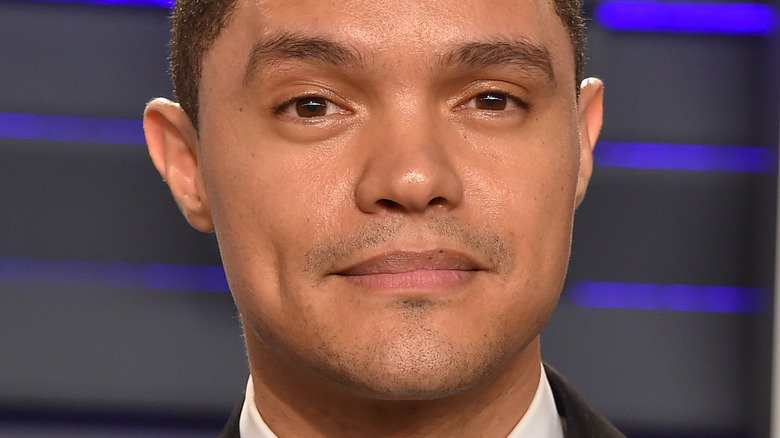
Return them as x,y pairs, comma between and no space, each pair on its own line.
540,420
250,423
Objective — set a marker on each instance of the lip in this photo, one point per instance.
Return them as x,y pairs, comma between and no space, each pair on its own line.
412,270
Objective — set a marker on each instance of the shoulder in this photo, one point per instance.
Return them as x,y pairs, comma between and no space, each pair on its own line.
580,420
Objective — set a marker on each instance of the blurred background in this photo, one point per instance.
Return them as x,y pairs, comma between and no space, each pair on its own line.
115,318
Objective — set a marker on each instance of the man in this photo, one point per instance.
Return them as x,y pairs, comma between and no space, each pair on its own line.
392,186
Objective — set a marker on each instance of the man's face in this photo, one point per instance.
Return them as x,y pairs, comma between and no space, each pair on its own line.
392,184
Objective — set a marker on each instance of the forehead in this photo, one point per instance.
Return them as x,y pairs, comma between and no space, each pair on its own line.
391,33
422,20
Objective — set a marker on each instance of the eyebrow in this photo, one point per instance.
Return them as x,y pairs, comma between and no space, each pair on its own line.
525,55
289,45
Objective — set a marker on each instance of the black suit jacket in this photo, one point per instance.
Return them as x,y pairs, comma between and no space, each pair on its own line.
579,420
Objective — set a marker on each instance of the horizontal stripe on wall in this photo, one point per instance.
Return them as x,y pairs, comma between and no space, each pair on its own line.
161,276
740,18
606,154
735,18
30,126
678,297
113,274
143,3
684,157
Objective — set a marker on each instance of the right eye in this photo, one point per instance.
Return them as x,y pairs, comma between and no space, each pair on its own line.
310,107
494,101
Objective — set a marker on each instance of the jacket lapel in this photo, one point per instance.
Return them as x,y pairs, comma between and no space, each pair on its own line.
579,420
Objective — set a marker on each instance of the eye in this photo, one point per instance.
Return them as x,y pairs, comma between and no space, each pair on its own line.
494,101
490,101
310,107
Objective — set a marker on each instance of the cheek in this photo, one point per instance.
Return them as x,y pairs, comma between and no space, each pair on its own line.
270,206
545,217
530,192
531,198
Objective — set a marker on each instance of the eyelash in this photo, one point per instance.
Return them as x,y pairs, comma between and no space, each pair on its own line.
288,105
507,97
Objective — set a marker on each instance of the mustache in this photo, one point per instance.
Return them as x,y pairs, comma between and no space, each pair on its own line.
487,246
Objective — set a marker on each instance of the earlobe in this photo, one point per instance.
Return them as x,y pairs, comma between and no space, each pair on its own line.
590,111
172,142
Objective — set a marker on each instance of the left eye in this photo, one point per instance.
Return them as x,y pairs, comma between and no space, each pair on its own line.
493,101
310,107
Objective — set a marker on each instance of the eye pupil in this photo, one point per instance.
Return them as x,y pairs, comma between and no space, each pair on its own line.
311,107
491,101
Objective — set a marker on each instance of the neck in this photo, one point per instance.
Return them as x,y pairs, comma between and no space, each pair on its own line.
297,402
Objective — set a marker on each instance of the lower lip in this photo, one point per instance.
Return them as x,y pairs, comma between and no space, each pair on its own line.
422,279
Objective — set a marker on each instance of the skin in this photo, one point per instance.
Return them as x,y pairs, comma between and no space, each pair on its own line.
395,257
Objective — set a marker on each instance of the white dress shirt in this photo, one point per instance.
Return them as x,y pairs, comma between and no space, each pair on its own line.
541,420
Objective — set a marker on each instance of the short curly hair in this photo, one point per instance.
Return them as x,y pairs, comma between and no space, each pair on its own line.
198,23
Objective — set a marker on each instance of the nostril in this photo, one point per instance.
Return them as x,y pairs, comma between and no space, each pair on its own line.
439,200
389,204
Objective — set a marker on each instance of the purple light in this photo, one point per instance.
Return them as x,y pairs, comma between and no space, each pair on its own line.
678,297
602,294
145,3
684,157
114,274
606,154
71,128
643,15
691,17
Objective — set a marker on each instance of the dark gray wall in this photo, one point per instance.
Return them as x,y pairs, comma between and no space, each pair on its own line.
103,359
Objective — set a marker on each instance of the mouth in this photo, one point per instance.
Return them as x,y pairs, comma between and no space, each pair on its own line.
406,270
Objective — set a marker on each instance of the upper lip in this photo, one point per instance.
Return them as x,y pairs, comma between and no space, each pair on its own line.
397,262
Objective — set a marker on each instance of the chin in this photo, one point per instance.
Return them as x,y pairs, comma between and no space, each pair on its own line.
419,367
420,389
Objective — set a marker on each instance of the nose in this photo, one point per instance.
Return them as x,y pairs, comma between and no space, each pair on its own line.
409,169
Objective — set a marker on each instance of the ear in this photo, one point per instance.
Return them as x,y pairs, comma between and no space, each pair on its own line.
591,112
173,145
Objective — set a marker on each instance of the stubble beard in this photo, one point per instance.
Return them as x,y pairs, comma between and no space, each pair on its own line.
416,357
415,361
